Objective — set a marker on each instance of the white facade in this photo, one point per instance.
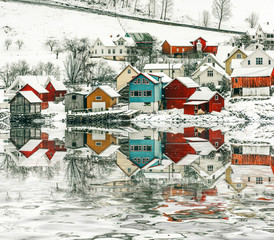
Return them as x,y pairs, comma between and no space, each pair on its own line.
258,58
154,106
116,48
209,74
263,91
171,70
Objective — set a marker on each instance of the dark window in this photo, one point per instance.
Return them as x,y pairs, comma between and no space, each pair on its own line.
73,97
248,62
259,61
259,180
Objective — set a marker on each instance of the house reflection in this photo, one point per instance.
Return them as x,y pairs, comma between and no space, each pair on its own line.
30,147
251,170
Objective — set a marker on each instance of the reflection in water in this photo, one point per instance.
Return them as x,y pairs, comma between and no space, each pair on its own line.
136,179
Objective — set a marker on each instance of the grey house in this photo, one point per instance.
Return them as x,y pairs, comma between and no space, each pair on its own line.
75,139
75,101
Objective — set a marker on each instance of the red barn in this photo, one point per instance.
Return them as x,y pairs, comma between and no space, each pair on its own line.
178,91
39,91
178,48
203,101
252,81
56,89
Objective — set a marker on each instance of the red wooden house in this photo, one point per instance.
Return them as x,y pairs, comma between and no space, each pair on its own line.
204,101
39,91
56,89
178,48
178,91
252,81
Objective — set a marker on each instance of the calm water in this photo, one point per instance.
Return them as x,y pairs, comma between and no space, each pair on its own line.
135,183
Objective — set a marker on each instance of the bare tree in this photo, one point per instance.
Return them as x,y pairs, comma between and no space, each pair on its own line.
166,6
205,18
8,42
135,5
58,49
252,20
5,75
51,42
221,9
19,43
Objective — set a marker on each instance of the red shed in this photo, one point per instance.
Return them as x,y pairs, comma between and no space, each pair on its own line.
39,91
176,48
57,89
203,101
178,91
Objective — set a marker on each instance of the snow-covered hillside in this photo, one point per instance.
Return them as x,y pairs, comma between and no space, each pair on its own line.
34,24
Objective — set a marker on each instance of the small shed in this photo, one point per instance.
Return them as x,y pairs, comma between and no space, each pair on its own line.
25,102
75,101
204,101
102,98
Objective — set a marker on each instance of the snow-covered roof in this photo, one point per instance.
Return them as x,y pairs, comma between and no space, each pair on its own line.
152,79
179,43
108,90
202,94
235,50
159,175
36,82
266,28
110,41
210,55
30,96
30,145
223,51
204,148
186,81
107,41
252,72
236,63
165,78
270,53
162,66
195,103
58,85
109,150
188,159
212,66
57,156
38,158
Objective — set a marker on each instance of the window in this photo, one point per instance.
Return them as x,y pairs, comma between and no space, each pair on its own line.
109,51
269,62
50,87
121,51
236,80
135,148
248,179
259,180
129,170
238,55
95,51
248,62
209,60
98,144
113,51
139,81
209,168
129,71
102,51
73,144
136,93
269,179
259,61
239,185
177,49
216,144
147,148
216,97
98,97
147,94
236,161
210,73
73,97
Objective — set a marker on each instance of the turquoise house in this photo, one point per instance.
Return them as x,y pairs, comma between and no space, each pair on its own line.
145,92
145,149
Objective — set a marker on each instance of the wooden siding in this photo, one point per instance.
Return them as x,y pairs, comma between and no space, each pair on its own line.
109,139
251,82
20,105
53,94
79,103
176,94
251,159
229,60
105,98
